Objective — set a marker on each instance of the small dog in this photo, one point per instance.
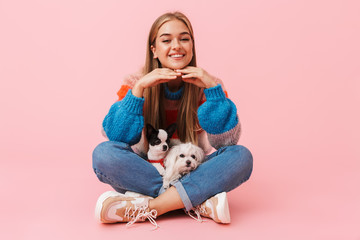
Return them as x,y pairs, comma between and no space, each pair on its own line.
159,141
180,160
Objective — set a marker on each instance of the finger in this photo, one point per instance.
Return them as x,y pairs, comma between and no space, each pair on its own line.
190,80
171,77
170,73
168,70
160,79
163,71
168,77
190,68
185,70
163,81
190,75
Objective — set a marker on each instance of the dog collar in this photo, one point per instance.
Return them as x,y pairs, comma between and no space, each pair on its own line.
161,161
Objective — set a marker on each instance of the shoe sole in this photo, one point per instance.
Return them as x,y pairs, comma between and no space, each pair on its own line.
224,217
101,199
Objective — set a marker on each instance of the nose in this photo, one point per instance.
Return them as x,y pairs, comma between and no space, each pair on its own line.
188,162
175,44
165,147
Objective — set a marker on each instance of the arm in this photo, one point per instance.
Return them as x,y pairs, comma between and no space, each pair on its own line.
218,114
125,121
218,117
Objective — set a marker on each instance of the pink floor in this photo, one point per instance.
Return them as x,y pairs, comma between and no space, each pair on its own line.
291,67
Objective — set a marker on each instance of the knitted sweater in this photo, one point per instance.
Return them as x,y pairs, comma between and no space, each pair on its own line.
217,116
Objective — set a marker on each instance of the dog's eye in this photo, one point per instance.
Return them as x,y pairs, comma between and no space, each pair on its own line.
182,155
157,141
193,156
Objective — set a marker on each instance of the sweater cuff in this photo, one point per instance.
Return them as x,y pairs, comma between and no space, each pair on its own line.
214,93
133,104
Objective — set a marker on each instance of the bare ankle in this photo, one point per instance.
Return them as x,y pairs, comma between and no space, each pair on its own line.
153,205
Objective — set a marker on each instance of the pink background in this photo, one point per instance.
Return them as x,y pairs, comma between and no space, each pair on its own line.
291,67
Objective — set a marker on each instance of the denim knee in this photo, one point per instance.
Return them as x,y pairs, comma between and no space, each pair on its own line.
245,162
99,153
102,154
241,161
103,161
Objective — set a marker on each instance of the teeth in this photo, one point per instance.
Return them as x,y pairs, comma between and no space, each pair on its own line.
177,55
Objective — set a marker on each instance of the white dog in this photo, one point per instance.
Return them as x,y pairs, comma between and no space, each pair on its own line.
180,160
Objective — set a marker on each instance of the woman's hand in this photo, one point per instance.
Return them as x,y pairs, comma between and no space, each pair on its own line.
153,78
197,76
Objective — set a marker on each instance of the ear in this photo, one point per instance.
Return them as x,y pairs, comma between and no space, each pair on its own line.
153,49
170,158
149,130
200,154
171,130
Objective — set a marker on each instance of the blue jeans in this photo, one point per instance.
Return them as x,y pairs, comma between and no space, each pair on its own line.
116,164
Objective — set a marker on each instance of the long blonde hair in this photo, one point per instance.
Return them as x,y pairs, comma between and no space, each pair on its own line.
154,112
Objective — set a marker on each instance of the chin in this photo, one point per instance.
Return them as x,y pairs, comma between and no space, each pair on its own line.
175,66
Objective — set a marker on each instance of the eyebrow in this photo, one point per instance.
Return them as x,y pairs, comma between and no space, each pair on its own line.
168,34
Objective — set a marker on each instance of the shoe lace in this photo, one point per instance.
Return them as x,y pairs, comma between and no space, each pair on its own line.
140,213
198,210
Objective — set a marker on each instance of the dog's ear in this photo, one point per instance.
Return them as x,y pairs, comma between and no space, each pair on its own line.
169,163
149,130
171,130
170,159
198,152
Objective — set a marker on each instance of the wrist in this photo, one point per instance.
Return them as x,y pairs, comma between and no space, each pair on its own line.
138,91
215,93
209,81
211,84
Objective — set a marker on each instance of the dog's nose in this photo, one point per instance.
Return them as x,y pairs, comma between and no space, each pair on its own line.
188,162
165,147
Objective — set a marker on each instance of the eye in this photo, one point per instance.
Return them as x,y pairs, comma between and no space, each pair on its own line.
157,141
165,41
185,39
182,155
193,156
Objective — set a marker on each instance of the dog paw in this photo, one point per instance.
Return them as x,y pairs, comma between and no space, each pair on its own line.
166,185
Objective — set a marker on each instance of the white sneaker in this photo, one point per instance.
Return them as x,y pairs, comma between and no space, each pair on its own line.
216,208
112,207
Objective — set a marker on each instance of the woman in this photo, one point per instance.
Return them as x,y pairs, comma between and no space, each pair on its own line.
170,89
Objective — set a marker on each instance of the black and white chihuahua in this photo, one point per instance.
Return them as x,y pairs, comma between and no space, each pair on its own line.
159,144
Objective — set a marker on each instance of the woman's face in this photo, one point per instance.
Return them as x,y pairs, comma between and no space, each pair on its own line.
173,45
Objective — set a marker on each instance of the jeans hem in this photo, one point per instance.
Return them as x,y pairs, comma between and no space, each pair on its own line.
183,195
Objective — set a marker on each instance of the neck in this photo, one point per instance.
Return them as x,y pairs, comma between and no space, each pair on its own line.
175,84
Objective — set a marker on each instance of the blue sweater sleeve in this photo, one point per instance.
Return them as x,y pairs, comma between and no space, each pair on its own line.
217,114
125,121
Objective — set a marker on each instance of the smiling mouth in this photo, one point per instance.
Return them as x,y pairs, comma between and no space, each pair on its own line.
177,55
